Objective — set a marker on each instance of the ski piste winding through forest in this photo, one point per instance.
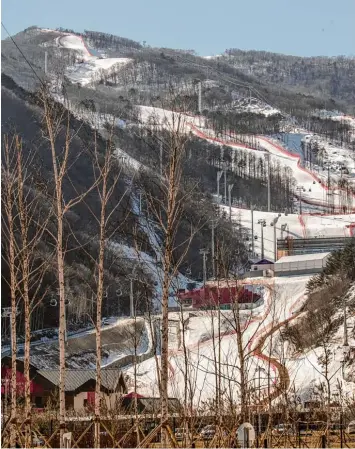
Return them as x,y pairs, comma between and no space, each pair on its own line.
302,176
316,198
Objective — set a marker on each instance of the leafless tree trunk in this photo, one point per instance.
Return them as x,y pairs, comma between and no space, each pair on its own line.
106,181
167,214
59,171
8,204
176,149
25,262
99,297
23,237
57,120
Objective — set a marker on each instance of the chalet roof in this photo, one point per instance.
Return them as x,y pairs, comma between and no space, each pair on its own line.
74,379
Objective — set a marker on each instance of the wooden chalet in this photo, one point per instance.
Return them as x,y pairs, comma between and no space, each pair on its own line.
79,385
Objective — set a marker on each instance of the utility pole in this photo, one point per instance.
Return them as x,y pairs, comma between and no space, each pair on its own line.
225,183
200,97
204,253
252,230
267,158
262,224
45,62
230,187
213,226
219,176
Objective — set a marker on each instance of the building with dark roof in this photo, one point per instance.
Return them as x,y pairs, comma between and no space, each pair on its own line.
80,385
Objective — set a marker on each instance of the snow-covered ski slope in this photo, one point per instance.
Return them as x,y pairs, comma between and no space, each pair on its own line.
92,66
91,70
75,43
299,226
281,298
314,190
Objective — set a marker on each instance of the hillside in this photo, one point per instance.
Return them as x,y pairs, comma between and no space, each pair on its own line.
210,162
329,78
99,76
320,333
147,74
133,240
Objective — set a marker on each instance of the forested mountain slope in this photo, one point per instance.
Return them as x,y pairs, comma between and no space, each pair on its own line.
330,78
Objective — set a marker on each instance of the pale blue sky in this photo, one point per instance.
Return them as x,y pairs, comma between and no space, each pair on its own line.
299,27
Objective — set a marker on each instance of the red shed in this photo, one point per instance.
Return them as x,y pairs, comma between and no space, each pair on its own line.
213,296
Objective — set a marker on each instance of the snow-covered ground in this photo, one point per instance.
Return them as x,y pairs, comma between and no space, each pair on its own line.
330,155
307,373
92,69
282,297
204,344
313,187
117,341
254,106
75,43
336,116
92,66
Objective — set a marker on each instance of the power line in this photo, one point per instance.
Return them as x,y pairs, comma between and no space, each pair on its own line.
24,57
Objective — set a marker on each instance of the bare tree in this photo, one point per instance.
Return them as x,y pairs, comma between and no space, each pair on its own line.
57,123
9,188
31,270
107,177
167,213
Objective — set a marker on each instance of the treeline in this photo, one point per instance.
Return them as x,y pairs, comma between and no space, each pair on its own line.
327,77
339,131
247,170
243,123
328,293
80,225
110,41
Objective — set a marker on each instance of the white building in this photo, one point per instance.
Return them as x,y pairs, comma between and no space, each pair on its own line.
301,264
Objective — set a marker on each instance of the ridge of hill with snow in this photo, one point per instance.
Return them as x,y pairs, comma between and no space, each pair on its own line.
91,67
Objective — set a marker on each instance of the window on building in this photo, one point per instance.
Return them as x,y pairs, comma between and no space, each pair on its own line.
85,402
38,401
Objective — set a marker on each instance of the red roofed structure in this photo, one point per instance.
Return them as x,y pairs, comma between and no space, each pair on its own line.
209,297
